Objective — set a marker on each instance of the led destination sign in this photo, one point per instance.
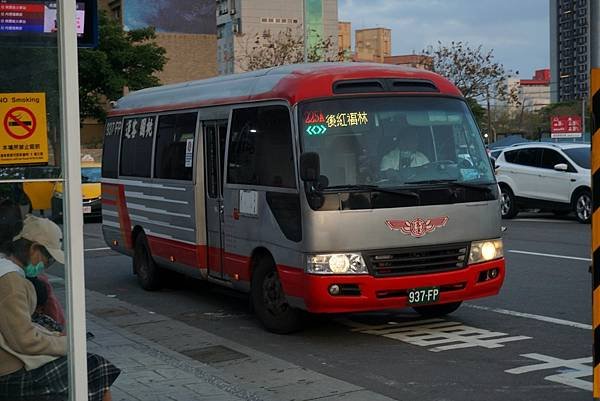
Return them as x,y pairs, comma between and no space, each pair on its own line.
317,122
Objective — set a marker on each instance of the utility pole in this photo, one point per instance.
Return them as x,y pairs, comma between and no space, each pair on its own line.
489,115
305,29
582,119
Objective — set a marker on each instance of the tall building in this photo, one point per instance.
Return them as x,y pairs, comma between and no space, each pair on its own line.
570,50
373,44
345,37
185,28
240,21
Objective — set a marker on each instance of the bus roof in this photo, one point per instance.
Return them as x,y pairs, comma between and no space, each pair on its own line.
292,83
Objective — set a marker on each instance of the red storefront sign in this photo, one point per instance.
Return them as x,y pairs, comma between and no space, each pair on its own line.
566,127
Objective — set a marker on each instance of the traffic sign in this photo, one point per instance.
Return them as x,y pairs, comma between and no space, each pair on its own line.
23,129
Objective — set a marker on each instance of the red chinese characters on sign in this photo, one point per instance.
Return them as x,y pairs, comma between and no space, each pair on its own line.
314,117
566,127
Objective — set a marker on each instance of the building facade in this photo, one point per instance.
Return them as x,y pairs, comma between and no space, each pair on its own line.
570,48
373,44
533,94
240,21
185,28
345,37
411,60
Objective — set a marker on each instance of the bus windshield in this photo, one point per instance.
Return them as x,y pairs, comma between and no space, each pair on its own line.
394,141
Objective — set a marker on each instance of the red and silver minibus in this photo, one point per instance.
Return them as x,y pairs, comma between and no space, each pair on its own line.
326,188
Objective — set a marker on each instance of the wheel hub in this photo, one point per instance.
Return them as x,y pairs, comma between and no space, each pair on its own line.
273,294
584,207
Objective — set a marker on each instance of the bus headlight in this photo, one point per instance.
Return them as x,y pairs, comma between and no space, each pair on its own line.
336,263
484,251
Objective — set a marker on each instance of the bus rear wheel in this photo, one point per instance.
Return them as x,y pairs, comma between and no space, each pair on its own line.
437,310
269,302
148,273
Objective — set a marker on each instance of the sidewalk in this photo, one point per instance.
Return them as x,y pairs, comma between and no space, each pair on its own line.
151,372
163,359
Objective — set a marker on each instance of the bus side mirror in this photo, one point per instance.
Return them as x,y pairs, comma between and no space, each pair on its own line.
310,167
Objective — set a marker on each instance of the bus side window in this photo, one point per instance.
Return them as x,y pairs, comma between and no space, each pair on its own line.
175,143
110,153
260,149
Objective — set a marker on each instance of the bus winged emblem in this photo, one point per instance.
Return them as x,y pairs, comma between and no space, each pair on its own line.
418,227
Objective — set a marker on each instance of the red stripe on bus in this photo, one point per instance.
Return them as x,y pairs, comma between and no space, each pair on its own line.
109,202
236,264
175,251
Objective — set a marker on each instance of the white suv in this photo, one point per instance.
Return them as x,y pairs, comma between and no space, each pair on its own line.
547,176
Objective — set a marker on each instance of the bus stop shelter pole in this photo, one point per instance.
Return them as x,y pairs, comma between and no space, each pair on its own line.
73,216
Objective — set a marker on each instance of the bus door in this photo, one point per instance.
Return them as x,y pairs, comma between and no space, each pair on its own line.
215,133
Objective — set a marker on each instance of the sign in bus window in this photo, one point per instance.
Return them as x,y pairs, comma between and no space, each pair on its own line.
137,137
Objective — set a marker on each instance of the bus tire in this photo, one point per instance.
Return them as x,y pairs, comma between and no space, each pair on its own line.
437,310
268,300
148,273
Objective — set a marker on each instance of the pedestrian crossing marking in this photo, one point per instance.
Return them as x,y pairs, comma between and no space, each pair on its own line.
437,334
576,369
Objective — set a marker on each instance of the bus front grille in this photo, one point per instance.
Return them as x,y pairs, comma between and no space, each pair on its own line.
423,260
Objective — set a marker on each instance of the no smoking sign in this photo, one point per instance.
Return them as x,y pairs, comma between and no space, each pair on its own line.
19,123
23,129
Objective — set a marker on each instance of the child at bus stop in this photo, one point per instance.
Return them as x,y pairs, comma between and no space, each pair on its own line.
33,362
39,316
31,226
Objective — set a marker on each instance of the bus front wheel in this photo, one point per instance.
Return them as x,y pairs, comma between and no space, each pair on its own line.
148,273
269,302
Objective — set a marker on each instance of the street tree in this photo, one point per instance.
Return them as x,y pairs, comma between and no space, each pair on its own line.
268,49
121,60
475,72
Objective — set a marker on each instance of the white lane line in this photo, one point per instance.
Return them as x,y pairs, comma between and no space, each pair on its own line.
541,318
96,249
550,255
533,220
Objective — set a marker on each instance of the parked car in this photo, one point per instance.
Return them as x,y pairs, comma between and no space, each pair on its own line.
90,192
547,176
494,153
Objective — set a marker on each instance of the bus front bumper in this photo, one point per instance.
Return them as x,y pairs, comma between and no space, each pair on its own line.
361,293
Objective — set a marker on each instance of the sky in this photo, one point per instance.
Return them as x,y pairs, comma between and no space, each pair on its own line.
516,30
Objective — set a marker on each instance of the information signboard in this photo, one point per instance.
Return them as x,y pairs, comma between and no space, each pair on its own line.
566,127
33,22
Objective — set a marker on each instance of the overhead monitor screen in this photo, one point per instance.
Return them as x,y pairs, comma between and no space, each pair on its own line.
32,22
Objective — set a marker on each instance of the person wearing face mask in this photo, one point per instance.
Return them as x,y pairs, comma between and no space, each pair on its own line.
33,362
46,233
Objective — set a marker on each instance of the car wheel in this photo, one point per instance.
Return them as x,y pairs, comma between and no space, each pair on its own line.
437,310
148,273
508,203
269,302
583,206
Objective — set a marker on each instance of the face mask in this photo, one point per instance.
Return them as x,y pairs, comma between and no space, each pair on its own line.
33,270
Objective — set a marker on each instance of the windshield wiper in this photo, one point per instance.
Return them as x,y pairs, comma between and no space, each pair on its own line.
455,184
364,187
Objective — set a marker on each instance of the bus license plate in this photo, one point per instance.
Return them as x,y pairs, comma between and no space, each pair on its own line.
87,209
423,295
